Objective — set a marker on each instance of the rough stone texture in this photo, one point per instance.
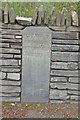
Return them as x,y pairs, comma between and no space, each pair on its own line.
59,86
65,56
64,65
10,89
74,80
58,94
58,79
9,50
65,35
2,75
65,42
10,99
14,76
10,55
64,73
9,94
57,47
6,55
8,82
8,62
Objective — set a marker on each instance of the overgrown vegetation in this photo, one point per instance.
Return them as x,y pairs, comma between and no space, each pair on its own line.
26,9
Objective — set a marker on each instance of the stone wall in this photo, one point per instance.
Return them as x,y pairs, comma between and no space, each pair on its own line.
64,82
10,62
64,69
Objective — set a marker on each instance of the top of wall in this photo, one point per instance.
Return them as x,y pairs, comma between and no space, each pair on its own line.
60,21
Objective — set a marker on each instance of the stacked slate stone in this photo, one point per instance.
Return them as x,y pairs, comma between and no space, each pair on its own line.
64,83
10,56
44,17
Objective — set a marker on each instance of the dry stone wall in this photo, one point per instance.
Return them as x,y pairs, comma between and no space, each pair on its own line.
65,65
10,62
64,83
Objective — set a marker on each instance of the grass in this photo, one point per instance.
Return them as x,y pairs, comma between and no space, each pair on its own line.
27,9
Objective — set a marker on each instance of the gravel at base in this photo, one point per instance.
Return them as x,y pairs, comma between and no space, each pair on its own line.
46,110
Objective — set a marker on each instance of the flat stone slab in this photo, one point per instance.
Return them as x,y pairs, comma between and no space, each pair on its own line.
36,64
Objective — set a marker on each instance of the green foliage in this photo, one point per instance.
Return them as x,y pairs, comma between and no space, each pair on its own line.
26,9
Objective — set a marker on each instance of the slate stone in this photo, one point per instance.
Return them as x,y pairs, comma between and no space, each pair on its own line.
74,97
13,76
74,17
65,56
62,86
1,15
68,20
6,56
70,73
58,18
36,64
57,47
2,75
6,15
46,17
4,45
73,92
10,69
63,18
58,94
9,50
65,42
73,29
9,94
8,82
10,99
12,16
10,40
8,62
58,79
64,65
74,79
72,86
65,35
57,28
10,89
34,20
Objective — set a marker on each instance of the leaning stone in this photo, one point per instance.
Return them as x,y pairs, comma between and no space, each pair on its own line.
34,20
6,15
12,16
58,18
46,17
63,18
68,20
74,17
1,15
